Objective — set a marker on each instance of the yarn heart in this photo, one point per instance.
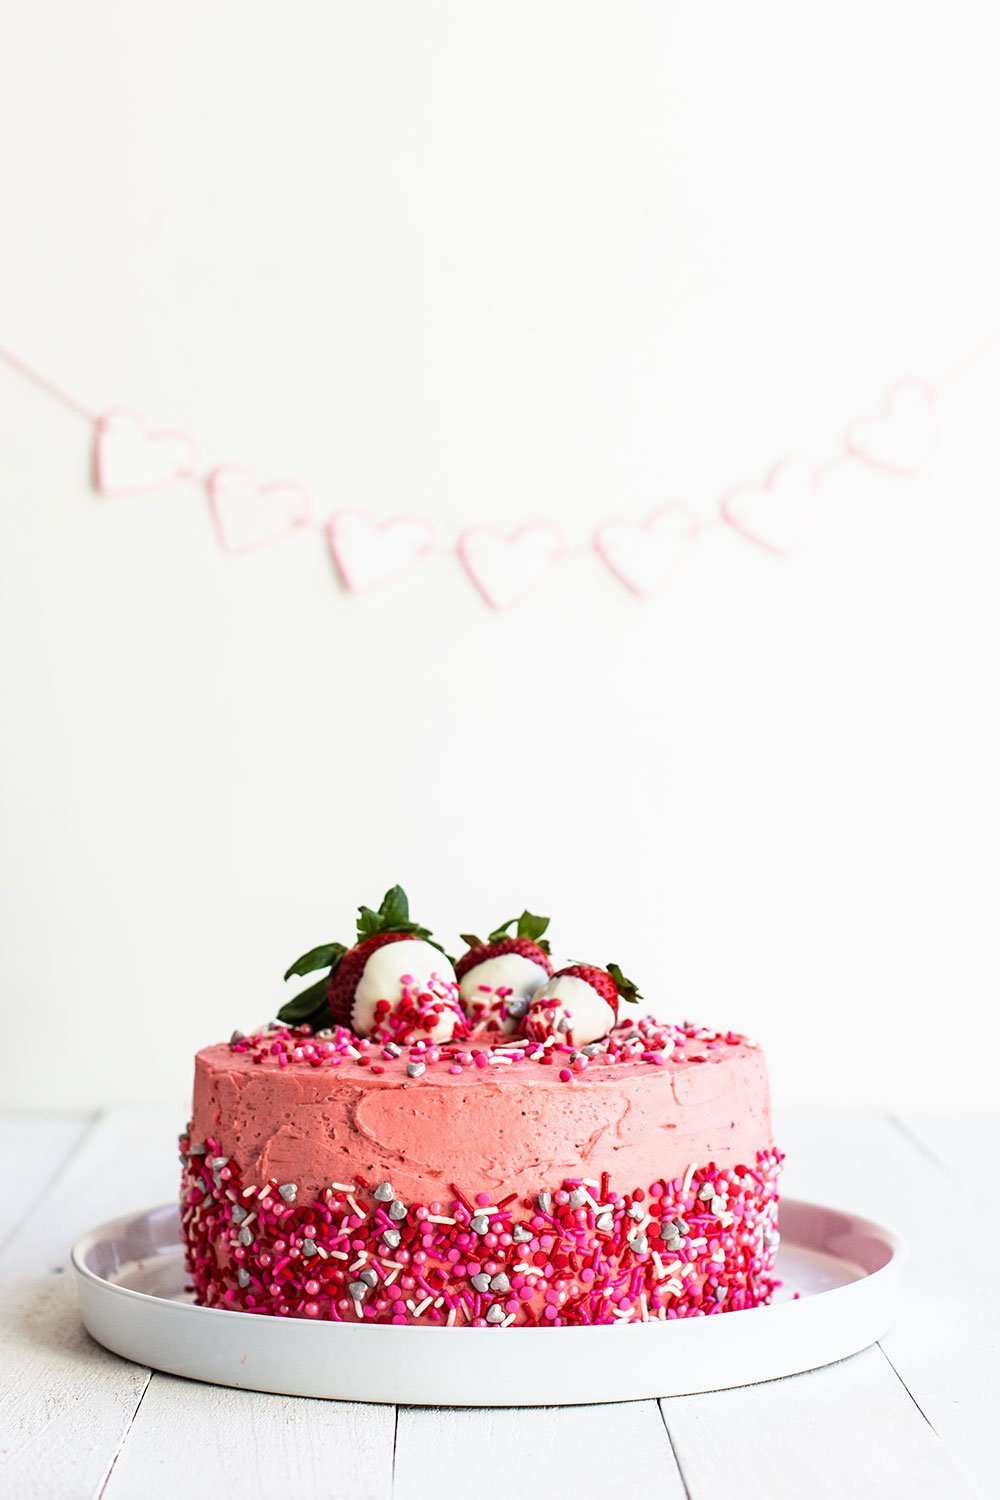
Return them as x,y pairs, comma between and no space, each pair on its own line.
128,459
367,553
644,555
899,438
505,567
776,515
247,515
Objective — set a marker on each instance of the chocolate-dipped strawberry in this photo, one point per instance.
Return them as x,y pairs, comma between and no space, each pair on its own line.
394,984
497,978
579,1004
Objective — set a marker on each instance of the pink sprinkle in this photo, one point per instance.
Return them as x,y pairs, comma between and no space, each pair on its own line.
565,1075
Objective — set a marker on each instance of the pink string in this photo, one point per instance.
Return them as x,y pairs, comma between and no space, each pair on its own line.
21,367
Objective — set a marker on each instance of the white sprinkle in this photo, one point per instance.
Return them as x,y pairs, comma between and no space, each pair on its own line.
644,1308
496,1058
352,1052
356,1207
263,1192
397,1263
657,1262
422,1307
357,1308
249,1192
508,1320
438,1219
688,1175
361,1260
392,1276
450,1320
341,1187
339,1255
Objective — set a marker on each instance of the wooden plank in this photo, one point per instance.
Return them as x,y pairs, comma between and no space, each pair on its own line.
620,1450
65,1404
944,1340
190,1439
850,1429
32,1149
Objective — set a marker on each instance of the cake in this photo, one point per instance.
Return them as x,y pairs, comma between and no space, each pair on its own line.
487,1142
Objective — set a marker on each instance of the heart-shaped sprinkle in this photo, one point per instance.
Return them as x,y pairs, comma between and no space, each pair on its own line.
129,459
777,514
247,515
368,553
644,554
506,567
900,437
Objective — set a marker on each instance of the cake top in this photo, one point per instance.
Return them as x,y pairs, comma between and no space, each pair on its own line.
395,1003
487,1052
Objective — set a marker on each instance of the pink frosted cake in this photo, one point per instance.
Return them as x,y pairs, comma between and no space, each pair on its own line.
486,1142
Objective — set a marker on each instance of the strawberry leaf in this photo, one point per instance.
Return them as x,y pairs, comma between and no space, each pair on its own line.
471,941
326,956
392,916
625,987
528,926
308,1008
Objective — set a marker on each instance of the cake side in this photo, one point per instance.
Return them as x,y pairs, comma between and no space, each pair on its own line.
484,1183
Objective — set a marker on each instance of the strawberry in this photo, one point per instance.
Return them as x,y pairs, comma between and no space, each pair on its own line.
498,977
395,997
579,1003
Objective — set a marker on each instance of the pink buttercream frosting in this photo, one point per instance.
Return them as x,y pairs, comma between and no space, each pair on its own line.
504,1129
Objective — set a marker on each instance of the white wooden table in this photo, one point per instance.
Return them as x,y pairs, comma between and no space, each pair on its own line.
916,1415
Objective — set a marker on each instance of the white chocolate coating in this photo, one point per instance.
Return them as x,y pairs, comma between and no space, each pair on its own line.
507,971
587,1016
380,980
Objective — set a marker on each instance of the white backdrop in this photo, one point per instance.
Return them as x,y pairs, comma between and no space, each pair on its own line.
556,259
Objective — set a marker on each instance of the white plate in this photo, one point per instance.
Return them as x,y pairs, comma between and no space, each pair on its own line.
131,1283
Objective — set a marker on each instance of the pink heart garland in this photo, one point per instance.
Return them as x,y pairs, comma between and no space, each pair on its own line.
777,514
368,553
505,567
128,459
644,555
247,515
900,437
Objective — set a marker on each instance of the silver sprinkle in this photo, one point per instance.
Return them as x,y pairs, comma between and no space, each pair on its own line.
605,1223
718,1205
480,1224
681,1225
369,1276
495,1314
245,1236
500,1282
288,1190
397,1210
218,1162
636,1211
237,1036
383,1193
720,1294
591,1050
357,1289
520,1234
638,1243
391,1237
392,1049
481,1282
517,1008
308,1247
544,1201
197,1148
239,1213
414,1069
243,1277
563,1023
706,1191
577,1198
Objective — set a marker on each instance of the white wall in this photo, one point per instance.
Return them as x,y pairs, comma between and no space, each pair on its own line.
556,259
